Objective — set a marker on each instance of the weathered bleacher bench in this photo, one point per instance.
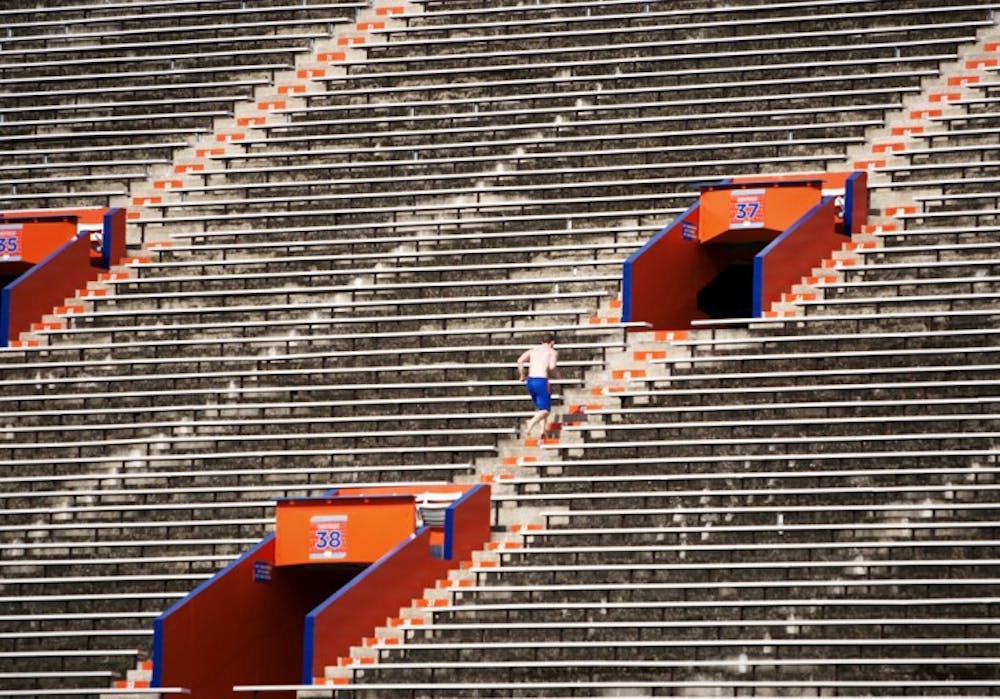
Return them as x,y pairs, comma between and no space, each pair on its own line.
470,19
242,90
643,498
602,688
373,117
710,340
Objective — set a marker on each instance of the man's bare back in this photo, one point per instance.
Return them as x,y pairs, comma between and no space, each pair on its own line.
541,361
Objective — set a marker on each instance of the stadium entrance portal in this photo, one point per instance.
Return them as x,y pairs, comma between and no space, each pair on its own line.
740,247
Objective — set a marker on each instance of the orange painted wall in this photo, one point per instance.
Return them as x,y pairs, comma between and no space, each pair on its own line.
793,254
62,260
35,292
779,207
660,281
242,626
396,579
351,529
260,623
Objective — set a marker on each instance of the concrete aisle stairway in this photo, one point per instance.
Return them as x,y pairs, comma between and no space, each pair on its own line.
246,356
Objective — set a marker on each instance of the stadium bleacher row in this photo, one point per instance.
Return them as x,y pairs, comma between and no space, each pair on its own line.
347,224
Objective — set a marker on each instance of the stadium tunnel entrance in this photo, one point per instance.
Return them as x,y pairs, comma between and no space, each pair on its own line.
744,243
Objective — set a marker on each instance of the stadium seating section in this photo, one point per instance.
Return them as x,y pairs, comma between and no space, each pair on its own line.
346,222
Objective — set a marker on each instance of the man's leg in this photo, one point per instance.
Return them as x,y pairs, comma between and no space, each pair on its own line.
538,389
539,417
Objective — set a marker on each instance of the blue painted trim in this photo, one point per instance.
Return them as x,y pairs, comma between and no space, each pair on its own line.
627,266
849,203
107,233
758,260
159,621
308,649
449,533
627,291
5,297
5,316
307,643
157,678
758,282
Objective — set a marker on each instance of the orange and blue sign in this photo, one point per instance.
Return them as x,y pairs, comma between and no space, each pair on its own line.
342,529
11,243
746,208
328,537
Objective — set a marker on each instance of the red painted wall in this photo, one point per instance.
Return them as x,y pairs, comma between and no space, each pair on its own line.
60,267
393,582
780,205
856,204
42,238
794,253
367,602
237,630
467,524
44,286
368,527
113,221
661,281
854,184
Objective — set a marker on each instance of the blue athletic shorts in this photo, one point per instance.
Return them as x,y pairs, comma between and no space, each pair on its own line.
538,389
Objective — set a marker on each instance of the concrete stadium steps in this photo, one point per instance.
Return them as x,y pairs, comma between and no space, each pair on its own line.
571,129
119,511
325,358
671,614
756,339
782,434
525,66
556,114
701,682
813,352
277,343
339,388
276,140
518,17
634,490
578,38
821,634
269,336
964,285
466,212
826,381
321,316
304,323
60,109
283,384
839,630
549,678
762,359
428,277
282,246
404,364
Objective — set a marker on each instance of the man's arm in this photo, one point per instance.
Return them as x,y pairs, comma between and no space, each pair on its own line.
521,361
553,359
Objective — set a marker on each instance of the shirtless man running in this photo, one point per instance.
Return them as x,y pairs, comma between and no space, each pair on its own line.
541,362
